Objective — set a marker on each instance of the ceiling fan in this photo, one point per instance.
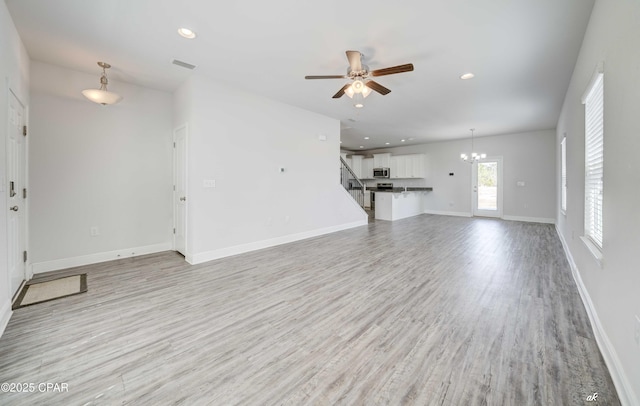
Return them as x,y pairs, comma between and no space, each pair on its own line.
359,73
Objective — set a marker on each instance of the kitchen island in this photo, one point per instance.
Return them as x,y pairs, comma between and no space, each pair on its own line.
399,202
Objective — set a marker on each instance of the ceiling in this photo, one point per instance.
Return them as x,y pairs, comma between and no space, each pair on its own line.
522,53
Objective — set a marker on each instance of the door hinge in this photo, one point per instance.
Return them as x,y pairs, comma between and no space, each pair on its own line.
174,188
174,230
24,256
24,130
174,144
24,193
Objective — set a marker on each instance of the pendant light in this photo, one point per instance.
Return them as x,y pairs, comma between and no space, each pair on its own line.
474,156
102,95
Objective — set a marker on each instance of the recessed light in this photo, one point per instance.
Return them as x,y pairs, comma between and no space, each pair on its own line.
186,33
401,140
386,143
358,105
466,76
361,146
366,138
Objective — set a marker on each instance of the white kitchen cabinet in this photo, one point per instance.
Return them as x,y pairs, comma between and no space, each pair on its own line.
348,161
407,166
417,165
367,168
356,165
382,160
393,167
398,167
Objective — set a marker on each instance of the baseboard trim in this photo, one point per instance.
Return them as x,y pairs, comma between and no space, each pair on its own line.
620,380
530,219
257,245
5,315
448,213
64,263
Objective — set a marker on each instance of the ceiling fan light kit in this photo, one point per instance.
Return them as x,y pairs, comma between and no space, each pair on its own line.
360,85
102,95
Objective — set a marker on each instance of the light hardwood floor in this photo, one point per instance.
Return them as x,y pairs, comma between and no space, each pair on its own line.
430,310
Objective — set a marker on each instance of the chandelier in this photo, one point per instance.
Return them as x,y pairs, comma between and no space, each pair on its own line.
474,156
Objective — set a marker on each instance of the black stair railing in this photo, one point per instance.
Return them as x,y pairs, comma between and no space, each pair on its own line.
351,183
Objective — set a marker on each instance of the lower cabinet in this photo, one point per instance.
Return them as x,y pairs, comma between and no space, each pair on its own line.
367,199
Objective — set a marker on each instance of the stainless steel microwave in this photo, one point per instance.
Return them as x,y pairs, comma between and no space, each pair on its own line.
381,172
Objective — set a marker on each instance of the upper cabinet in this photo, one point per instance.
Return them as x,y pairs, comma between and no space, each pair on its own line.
407,166
356,165
382,160
367,168
401,166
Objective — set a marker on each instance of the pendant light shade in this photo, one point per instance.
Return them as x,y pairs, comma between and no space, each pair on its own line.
102,95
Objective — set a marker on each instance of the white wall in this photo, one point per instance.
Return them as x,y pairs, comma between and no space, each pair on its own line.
97,166
612,291
528,157
240,140
14,75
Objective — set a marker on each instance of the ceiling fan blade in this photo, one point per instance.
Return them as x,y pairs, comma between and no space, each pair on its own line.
355,60
377,87
394,69
326,77
341,91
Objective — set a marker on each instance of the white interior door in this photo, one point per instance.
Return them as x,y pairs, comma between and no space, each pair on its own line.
487,187
180,189
16,169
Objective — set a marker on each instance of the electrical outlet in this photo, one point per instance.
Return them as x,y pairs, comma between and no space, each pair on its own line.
637,334
95,231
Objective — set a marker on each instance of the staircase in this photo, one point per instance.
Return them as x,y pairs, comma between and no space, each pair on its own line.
351,183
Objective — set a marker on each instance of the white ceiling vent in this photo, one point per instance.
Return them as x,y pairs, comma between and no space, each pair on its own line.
183,64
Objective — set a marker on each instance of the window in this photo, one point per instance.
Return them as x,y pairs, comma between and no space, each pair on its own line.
594,162
563,175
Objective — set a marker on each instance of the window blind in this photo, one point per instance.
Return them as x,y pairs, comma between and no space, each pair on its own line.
594,161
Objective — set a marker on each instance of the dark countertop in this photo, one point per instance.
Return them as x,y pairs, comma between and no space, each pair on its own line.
401,189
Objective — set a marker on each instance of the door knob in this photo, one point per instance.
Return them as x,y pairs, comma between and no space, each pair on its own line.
182,199
14,208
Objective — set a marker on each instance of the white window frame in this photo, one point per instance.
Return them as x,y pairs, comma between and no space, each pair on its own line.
593,100
563,176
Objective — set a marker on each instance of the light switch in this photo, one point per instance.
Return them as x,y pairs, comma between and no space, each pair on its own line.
520,183
322,137
209,183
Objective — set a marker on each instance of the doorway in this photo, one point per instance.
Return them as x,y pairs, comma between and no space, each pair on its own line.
180,189
16,194
487,187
